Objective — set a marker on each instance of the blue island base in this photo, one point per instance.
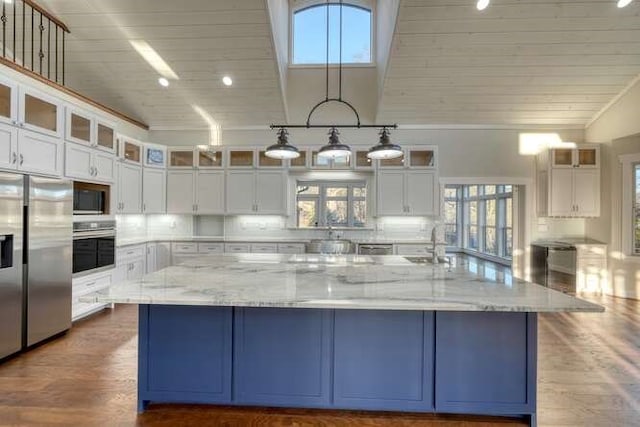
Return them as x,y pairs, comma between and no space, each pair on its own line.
481,363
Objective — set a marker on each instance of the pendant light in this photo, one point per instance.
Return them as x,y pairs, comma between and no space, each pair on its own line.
385,149
334,149
282,149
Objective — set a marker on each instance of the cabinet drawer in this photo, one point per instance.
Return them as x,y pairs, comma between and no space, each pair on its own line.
413,249
86,286
210,248
82,309
264,248
130,252
184,248
237,247
592,252
291,248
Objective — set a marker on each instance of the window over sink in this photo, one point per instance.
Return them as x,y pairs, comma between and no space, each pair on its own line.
331,203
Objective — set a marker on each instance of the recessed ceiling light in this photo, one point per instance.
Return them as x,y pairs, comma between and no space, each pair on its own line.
623,3
163,82
227,81
482,4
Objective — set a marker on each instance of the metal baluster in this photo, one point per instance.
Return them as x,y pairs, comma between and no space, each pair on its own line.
24,39
41,54
32,38
4,30
56,54
14,31
63,57
49,48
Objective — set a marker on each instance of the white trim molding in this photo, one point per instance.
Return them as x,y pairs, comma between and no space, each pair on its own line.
628,161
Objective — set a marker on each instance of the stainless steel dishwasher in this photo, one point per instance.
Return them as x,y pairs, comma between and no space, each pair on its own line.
375,249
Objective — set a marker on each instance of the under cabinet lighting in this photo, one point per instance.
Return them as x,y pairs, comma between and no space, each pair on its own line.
482,4
623,3
227,81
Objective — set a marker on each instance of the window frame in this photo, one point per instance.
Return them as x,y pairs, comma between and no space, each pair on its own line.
360,4
321,198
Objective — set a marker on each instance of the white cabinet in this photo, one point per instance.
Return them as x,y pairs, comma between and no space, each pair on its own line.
163,255
291,248
151,257
200,192
264,248
8,147
153,191
413,249
84,286
131,262
39,153
591,268
412,192
237,247
256,192
211,248
129,188
568,182
8,101
39,112
88,164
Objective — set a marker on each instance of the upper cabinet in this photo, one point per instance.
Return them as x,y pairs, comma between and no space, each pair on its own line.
8,102
424,157
210,157
79,127
181,158
241,158
130,150
568,182
155,156
105,136
579,157
40,112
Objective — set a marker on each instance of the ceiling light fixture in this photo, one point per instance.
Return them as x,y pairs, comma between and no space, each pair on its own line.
385,149
334,149
282,149
163,82
153,59
482,4
623,3
227,81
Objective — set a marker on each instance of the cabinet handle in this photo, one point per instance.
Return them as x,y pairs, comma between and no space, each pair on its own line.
21,159
88,285
14,158
144,206
95,171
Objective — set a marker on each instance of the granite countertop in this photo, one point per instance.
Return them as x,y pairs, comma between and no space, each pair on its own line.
569,241
350,281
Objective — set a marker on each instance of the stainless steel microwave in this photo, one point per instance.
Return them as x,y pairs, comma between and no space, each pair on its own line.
90,199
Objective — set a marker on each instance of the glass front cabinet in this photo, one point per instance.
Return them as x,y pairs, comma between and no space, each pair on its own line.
582,156
414,158
8,102
40,113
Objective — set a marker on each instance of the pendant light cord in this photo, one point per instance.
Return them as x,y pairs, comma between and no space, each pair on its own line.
326,91
340,59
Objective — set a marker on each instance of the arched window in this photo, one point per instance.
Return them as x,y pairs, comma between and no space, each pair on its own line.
309,34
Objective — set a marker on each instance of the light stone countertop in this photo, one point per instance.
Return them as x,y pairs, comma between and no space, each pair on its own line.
349,281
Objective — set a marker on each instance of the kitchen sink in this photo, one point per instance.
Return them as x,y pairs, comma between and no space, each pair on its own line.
331,246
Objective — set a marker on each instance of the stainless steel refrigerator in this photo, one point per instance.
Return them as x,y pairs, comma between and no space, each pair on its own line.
36,225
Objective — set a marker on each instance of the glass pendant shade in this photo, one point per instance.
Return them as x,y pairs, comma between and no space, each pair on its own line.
385,149
334,149
282,149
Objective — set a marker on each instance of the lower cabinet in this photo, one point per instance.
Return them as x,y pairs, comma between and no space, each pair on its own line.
86,285
130,262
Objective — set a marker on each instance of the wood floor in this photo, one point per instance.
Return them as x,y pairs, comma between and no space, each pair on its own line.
589,375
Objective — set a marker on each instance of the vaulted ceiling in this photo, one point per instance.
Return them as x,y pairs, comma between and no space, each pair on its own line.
518,62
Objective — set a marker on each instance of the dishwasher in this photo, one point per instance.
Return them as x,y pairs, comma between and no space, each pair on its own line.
375,249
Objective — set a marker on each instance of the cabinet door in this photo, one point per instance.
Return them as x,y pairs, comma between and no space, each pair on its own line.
153,191
586,192
8,101
8,147
587,157
130,188
105,136
240,192
562,158
210,192
391,193
104,167
39,153
561,193
181,158
151,258
40,113
163,255
79,128
136,268
180,192
270,193
420,189
78,162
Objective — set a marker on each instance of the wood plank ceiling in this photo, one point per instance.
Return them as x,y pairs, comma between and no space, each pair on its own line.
517,62
202,40
555,62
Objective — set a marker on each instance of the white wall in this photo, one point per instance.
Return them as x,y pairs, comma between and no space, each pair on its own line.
620,119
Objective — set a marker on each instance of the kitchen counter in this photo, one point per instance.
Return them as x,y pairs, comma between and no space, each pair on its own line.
350,281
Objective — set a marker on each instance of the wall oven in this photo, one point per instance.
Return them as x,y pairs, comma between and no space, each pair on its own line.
94,246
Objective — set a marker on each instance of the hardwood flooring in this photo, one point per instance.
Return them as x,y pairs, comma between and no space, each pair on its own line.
589,375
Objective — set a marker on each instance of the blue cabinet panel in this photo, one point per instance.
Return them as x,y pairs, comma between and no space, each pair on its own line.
187,353
383,360
282,356
485,362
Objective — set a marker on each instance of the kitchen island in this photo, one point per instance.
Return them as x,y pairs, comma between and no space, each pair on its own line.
341,332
